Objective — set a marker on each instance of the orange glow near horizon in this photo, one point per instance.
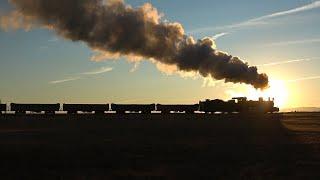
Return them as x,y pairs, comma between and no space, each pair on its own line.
277,90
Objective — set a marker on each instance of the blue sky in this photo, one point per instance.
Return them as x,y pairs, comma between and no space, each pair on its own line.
34,62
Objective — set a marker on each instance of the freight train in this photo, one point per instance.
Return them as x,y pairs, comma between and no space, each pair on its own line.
235,105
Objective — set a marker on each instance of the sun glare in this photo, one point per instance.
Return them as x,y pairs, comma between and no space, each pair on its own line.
277,90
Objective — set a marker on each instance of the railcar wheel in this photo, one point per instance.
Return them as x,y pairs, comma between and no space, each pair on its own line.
120,112
20,112
165,112
189,112
99,112
146,112
49,112
72,112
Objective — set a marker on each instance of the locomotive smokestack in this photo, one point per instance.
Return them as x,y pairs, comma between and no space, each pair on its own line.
117,28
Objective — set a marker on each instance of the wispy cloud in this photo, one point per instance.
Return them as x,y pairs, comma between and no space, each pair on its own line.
44,47
82,75
307,7
261,20
302,41
98,71
54,39
304,79
64,80
285,62
217,36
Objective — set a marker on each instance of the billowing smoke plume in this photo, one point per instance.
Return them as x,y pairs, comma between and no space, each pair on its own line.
114,27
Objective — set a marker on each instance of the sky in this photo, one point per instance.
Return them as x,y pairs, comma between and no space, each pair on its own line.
282,38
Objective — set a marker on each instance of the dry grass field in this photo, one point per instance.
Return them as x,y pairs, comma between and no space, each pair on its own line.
173,146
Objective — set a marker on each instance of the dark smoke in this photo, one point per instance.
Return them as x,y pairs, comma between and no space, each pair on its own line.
114,27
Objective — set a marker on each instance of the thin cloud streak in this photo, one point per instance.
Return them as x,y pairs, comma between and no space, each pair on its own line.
64,80
303,41
285,62
260,20
217,36
304,79
54,39
98,71
95,72
307,7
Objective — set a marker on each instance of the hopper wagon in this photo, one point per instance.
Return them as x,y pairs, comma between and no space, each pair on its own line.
3,108
133,108
86,108
217,105
36,108
177,108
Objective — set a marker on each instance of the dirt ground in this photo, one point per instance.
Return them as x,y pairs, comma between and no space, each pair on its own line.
173,146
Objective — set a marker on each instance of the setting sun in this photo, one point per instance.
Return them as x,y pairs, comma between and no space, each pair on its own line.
277,90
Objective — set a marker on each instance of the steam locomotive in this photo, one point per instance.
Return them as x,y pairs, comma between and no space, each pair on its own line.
235,105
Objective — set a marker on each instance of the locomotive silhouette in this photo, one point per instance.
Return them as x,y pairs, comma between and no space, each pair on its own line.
238,104
235,105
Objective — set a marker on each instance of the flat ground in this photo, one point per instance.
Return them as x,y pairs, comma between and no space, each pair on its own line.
174,146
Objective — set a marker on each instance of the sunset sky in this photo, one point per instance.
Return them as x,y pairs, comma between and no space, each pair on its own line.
282,38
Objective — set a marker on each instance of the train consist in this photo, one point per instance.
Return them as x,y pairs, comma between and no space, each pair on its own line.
236,105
